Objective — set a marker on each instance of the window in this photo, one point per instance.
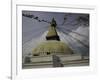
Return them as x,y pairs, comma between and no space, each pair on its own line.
35,54
48,53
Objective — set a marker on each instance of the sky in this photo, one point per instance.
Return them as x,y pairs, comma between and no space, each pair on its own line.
34,32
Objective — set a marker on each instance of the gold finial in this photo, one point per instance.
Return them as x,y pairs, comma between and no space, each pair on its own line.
53,23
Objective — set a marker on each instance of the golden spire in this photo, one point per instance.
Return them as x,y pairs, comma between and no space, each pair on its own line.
52,33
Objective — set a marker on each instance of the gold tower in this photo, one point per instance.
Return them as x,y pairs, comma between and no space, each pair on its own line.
52,45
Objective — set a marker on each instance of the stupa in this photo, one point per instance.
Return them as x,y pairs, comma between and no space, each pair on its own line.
52,45
54,53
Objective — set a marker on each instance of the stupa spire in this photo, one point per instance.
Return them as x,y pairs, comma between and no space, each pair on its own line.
52,33
53,23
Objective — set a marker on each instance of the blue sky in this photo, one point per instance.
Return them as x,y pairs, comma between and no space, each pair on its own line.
33,28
